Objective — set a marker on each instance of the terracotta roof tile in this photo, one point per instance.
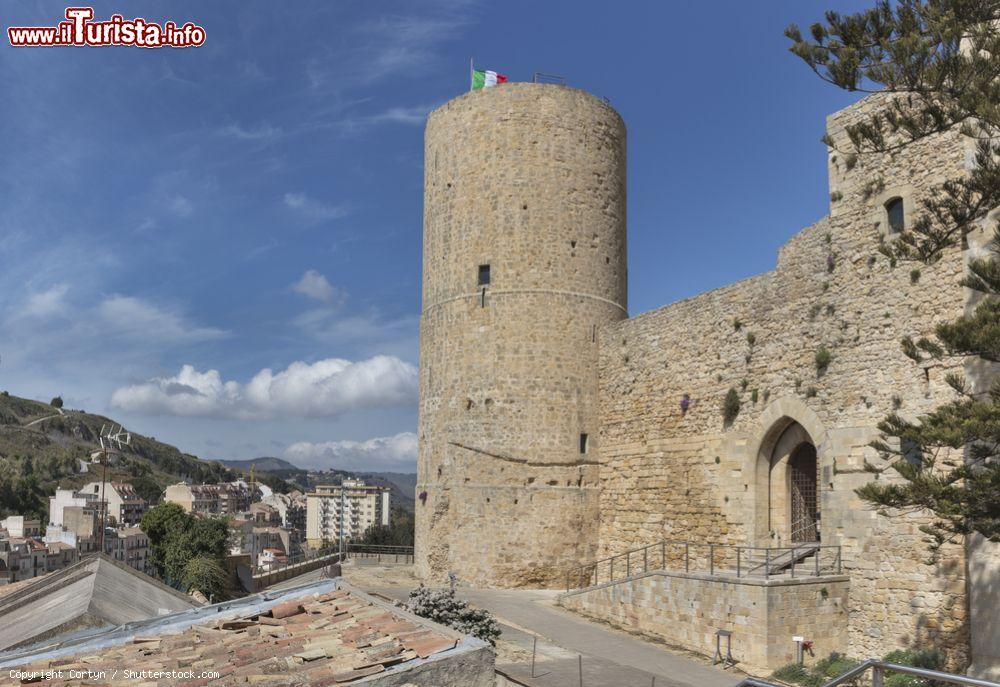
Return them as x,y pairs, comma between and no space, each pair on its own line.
318,639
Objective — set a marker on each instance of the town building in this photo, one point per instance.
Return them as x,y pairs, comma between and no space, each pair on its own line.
557,431
130,546
291,507
228,498
348,509
124,505
24,558
21,526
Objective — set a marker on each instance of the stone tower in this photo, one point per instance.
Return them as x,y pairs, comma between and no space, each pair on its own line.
524,261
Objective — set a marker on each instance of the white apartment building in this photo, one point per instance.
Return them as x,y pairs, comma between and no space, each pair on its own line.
363,506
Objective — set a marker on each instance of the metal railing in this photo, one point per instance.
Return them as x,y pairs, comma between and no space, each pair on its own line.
799,560
350,550
879,670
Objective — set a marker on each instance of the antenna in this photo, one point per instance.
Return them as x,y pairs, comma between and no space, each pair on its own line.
112,441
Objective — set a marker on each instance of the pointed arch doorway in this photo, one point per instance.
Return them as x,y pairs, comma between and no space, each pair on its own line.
788,503
802,494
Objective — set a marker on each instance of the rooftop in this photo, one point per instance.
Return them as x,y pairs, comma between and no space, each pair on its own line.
97,592
325,633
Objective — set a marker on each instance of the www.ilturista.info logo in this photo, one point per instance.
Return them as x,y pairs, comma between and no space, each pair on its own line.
81,30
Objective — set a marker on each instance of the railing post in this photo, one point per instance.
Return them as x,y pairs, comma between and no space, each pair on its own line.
838,560
767,564
819,551
687,557
738,551
878,676
612,571
711,559
663,554
792,559
645,559
628,564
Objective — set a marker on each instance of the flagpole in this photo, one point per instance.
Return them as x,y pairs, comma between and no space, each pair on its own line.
472,73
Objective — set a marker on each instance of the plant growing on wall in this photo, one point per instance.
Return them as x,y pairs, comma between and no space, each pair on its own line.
823,358
731,406
940,60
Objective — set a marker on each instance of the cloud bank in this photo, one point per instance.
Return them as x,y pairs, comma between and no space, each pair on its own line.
396,453
321,389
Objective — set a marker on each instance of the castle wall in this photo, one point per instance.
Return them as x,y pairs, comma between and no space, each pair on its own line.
530,180
665,473
686,610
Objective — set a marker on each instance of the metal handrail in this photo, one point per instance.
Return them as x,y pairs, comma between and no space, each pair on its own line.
746,565
880,668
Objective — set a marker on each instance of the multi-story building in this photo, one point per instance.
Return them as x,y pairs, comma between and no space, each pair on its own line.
348,510
128,545
247,537
291,507
213,499
20,526
22,558
124,505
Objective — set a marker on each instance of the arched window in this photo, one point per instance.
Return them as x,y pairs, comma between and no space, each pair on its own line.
894,211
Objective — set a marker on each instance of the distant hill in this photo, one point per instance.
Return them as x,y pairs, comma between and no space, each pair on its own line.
41,448
263,464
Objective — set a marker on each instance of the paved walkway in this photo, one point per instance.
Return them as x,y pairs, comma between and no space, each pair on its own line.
610,658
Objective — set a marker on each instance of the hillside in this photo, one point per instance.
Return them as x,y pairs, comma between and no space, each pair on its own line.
263,464
41,448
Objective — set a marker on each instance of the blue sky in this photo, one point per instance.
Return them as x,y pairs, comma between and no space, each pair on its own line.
220,246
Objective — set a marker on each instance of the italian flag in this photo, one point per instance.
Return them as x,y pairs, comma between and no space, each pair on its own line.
483,78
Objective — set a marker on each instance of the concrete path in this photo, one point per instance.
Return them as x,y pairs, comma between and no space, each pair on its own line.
610,658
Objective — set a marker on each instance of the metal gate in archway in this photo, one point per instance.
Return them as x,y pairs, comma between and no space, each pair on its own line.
804,502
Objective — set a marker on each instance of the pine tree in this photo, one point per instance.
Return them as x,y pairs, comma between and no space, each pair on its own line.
938,62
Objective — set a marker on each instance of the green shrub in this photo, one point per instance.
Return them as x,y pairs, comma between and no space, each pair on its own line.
731,406
930,659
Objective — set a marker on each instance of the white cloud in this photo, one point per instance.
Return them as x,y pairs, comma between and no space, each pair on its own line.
50,302
134,317
315,286
321,389
381,454
313,209
264,132
180,206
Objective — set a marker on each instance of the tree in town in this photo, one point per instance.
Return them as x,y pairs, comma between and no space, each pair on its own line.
208,576
177,538
937,64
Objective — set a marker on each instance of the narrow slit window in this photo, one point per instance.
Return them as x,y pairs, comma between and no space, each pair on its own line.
484,275
583,443
897,218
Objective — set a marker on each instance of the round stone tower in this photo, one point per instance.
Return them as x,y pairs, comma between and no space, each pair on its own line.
524,261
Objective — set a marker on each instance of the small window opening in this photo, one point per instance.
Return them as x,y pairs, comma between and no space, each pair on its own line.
583,443
484,275
894,210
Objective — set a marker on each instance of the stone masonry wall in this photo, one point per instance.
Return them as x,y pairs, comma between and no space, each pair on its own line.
530,180
665,473
685,610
